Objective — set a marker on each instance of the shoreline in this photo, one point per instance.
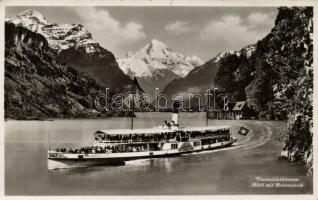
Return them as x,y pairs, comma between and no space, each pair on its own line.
114,117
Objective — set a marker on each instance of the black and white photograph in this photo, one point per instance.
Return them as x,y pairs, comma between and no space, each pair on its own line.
164,100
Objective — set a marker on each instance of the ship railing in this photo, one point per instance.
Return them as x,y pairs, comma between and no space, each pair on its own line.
213,137
134,141
138,141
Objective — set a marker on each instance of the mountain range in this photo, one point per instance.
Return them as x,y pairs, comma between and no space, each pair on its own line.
56,71
76,48
200,79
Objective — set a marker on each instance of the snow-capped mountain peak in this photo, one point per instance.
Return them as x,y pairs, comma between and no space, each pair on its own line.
156,56
157,44
247,51
59,36
31,19
223,54
31,16
154,49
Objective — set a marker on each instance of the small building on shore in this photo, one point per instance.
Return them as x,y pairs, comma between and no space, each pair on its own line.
236,110
239,110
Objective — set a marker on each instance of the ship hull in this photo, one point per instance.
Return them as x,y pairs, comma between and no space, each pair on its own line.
85,160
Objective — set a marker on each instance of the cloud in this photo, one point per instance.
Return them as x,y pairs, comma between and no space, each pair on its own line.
178,27
235,32
111,33
260,20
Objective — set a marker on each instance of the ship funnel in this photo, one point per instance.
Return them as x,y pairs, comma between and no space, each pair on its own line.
175,118
175,112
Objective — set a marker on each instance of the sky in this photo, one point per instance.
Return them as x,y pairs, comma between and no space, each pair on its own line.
201,31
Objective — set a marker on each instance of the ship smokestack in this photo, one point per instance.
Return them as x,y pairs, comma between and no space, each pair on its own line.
175,112
175,117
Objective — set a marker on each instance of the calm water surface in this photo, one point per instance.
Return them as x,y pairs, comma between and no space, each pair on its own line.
225,171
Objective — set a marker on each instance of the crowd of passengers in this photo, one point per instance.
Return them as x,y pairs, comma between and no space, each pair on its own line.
211,141
198,134
108,149
160,136
139,137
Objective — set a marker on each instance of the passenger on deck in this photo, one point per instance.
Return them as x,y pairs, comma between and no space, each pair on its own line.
167,125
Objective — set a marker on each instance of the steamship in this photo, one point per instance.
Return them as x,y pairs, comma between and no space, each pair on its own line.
115,146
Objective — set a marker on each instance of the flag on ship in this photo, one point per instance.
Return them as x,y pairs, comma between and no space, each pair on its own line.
243,131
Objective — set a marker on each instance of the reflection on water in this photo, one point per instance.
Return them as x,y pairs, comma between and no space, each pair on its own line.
223,171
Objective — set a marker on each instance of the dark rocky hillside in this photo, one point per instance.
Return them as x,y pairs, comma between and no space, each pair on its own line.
282,57
235,72
289,50
196,82
100,65
277,80
38,86
159,80
201,78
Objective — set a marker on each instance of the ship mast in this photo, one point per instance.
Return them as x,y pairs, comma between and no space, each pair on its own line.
208,104
48,140
134,88
133,111
207,108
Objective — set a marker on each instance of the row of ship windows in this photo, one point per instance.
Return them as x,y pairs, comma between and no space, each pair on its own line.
175,146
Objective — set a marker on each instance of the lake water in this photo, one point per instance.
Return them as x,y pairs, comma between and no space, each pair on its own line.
224,171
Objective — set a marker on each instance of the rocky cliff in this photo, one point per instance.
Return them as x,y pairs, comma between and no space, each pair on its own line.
37,85
277,79
288,49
